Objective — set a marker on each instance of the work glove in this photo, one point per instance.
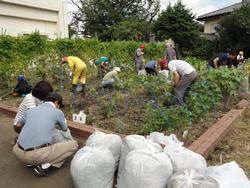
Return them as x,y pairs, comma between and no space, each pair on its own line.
70,74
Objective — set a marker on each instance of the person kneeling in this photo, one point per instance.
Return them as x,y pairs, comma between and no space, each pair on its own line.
34,145
22,87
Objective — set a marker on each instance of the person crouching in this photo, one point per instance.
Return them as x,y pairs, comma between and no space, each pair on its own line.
110,78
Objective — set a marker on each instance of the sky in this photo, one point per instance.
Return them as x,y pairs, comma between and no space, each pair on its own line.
198,7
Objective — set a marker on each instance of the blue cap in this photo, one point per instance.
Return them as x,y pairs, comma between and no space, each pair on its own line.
21,77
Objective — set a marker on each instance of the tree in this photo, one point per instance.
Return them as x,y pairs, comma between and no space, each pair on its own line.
234,30
94,18
177,22
131,29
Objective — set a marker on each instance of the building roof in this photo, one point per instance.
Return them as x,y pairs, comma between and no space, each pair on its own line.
219,12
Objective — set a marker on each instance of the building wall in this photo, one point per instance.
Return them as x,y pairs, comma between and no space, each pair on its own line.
19,17
209,26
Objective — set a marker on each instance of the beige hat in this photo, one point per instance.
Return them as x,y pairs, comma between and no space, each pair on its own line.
117,69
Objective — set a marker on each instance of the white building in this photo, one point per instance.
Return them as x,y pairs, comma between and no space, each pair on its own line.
20,17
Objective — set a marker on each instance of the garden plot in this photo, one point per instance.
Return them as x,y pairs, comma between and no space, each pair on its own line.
137,105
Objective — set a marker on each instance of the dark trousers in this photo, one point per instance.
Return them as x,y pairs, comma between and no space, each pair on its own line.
181,87
150,71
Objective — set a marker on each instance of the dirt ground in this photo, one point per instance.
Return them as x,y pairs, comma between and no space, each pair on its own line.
14,174
235,146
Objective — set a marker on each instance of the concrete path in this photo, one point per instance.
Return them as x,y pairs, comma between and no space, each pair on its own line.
14,174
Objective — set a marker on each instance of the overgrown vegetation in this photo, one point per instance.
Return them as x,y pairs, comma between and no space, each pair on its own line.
137,105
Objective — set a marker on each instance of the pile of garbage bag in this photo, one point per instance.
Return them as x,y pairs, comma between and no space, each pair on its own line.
155,161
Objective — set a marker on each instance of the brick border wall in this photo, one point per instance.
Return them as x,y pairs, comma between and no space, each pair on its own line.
78,130
203,145
211,137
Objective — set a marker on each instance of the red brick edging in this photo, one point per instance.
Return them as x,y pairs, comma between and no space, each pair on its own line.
78,130
210,138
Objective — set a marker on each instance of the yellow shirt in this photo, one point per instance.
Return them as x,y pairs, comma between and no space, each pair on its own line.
75,63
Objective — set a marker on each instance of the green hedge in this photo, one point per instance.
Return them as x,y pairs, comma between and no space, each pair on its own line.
19,54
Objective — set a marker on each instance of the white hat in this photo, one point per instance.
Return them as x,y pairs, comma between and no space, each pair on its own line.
117,69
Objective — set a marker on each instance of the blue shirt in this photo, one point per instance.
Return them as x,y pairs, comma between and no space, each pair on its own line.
39,125
101,60
151,64
223,57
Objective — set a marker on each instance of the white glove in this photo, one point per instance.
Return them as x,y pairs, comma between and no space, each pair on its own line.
70,74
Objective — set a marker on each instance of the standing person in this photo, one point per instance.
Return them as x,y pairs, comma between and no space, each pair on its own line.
170,53
139,59
34,145
222,59
102,64
110,78
79,69
151,67
39,92
22,87
183,76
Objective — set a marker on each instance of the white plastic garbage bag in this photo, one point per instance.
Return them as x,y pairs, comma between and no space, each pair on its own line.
60,136
191,178
145,169
142,72
228,175
183,158
112,142
164,74
161,139
134,142
93,167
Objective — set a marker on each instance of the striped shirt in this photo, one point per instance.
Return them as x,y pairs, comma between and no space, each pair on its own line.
28,102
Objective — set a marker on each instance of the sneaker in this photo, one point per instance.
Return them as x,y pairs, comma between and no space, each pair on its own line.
39,171
29,166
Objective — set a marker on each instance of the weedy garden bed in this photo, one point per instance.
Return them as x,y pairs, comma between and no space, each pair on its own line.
137,104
